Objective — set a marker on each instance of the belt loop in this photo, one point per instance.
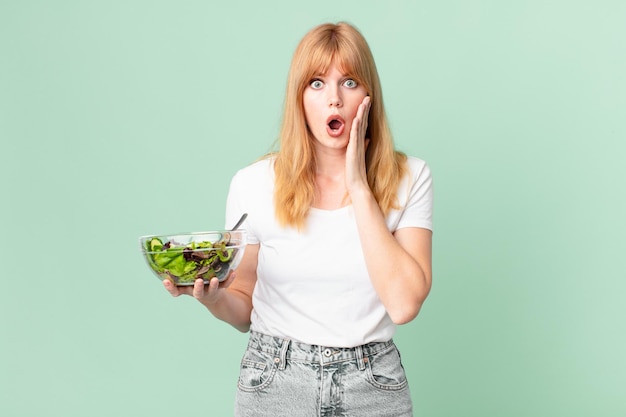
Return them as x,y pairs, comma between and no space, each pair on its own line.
283,354
360,363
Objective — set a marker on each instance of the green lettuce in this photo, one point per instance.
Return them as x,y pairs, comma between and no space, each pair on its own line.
185,264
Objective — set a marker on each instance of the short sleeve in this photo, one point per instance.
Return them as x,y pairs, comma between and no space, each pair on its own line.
418,207
236,206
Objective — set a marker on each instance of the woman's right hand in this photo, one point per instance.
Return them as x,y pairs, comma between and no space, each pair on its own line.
229,303
207,294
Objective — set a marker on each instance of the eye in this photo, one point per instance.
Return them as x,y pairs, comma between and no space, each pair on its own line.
350,83
316,84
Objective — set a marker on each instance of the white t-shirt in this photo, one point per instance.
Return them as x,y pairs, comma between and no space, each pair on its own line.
313,286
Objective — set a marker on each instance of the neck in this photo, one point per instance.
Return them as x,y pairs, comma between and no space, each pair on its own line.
330,165
330,183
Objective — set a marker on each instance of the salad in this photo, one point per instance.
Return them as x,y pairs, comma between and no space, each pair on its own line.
183,264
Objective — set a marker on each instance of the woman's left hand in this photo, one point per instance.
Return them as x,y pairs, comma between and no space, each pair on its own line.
356,175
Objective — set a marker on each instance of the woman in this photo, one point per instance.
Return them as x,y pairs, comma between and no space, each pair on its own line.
339,228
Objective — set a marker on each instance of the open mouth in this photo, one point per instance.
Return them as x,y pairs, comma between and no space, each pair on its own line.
335,126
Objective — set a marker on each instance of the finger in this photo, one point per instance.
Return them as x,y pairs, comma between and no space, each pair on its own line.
358,119
198,288
211,288
359,124
364,108
214,284
171,288
354,129
367,102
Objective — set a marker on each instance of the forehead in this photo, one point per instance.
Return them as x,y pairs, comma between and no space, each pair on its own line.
337,60
326,69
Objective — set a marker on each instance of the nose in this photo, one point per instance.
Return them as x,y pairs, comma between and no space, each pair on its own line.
334,98
335,102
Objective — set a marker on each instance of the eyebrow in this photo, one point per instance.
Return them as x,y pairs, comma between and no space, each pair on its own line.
343,75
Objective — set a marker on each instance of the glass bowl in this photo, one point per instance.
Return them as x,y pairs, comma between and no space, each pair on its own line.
184,257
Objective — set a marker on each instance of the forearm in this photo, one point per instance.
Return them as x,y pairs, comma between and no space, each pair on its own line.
233,307
233,302
401,275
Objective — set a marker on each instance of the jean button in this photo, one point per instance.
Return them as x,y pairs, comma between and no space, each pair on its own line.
327,352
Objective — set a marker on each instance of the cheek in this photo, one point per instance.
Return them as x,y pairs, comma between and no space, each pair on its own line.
357,99
312,112
311,124
309,106
354,106
307,112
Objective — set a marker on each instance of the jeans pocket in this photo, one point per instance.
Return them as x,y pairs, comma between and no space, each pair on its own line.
257,371
385,370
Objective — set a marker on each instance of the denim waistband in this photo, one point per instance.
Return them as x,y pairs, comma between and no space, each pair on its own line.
285,349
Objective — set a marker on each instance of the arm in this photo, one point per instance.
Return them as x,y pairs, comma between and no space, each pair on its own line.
399,264
231,300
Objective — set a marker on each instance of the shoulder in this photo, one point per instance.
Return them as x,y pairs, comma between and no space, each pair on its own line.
261,167
417,183
417,170
415,197
258,172
415,164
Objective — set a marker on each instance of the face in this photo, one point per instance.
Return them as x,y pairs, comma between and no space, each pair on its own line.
331,102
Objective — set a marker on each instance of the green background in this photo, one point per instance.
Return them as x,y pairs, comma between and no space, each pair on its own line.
125,118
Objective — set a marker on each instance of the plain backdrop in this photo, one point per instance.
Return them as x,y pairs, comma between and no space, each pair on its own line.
125,118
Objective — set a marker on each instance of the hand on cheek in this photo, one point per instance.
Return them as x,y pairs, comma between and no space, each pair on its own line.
355,154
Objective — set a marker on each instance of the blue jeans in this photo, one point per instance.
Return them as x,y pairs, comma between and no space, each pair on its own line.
279,377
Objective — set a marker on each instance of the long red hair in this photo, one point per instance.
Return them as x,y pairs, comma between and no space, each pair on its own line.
295,164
